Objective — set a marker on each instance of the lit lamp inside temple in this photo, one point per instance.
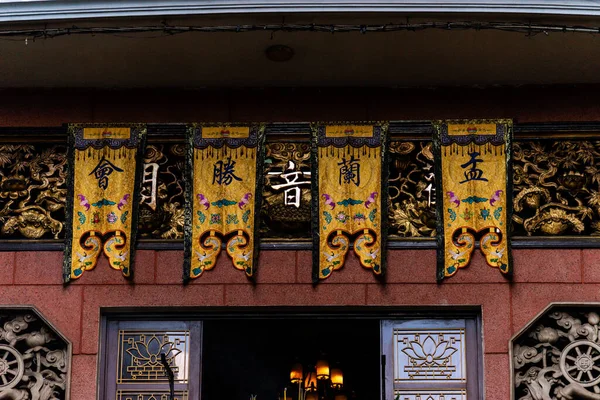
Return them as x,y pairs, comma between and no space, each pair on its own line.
322,369
337,378
296,373
318,383
311,382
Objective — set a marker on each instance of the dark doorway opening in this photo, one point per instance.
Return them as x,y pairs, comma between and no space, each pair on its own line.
255,357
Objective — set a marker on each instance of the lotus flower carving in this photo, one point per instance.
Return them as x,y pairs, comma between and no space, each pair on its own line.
148,352
429,352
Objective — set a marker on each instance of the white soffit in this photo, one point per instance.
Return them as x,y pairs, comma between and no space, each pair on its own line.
35,10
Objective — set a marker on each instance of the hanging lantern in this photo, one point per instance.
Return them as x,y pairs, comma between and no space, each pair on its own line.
296,373
337,378
311,382
322,369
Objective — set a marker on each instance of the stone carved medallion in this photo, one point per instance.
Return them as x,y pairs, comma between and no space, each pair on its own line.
35,359
557,357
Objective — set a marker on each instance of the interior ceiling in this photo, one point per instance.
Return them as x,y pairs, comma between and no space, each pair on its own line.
395,59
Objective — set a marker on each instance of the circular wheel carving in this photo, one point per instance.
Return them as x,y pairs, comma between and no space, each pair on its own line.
578,363
11,367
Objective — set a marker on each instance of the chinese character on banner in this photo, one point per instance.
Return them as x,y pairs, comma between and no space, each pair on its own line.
224,172
473,173
350,171
103,171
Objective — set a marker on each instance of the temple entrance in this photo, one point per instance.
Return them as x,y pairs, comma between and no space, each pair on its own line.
292,354
244,358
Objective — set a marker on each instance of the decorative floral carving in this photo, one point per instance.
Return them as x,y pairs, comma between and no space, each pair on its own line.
429,353
140,356
32,191
426,356
163,218
556,187
412,189
152,395
554,221
147,352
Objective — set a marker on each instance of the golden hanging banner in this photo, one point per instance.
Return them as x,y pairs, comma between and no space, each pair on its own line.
103,197
474,179
349,196
225,167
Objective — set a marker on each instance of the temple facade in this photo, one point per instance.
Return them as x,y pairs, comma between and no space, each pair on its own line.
273,200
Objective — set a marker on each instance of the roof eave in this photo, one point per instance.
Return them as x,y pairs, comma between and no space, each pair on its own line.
14,11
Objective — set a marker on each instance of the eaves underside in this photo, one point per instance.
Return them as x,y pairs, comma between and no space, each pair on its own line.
70,9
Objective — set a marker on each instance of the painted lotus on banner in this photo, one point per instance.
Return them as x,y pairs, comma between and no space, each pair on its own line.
349,196
225,166
102,196
473,163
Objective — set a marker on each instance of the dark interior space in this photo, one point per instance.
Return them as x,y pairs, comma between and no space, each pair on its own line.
254,357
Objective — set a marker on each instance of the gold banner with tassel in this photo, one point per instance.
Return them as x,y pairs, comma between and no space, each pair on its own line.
349,196
225,168
102,197
474,190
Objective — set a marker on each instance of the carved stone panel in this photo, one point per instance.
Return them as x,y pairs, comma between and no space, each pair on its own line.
557,356
35,359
